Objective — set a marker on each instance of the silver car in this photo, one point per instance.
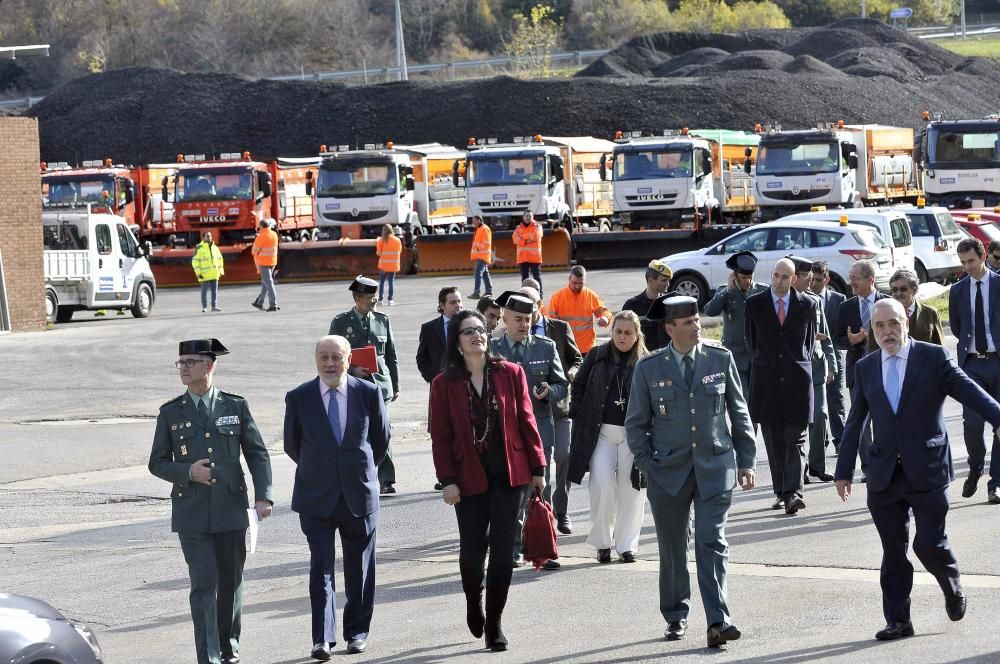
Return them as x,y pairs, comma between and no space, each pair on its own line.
32,631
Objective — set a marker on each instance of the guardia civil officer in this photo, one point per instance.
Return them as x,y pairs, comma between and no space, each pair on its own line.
676,428
197,445
547,384
729,302
362,326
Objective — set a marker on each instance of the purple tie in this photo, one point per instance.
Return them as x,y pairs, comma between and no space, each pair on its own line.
333,414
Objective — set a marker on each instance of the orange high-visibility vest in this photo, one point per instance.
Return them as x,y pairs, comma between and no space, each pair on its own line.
265,248
482,244
389,252
579,310
528,241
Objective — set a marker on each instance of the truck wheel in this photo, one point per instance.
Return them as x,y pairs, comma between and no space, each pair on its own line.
143,301
314,235
304,236
605,226
692,285
64,315
51,306
171,241
921,272
454,229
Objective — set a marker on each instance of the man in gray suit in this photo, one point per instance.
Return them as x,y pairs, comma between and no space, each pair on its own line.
676,428
547,383
819,283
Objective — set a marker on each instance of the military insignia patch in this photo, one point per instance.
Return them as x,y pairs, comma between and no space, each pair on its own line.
184,450
173,427
227,419
188,425
350,330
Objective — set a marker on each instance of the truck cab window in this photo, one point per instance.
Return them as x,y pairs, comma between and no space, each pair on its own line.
103,234
125,241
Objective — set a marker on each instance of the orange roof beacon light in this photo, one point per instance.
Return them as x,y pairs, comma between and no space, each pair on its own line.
921,202
758,128
538,138
996,208
843,220
246,155
180,158
472,140
389,145
322,148
618,135
44,166
818,208
684,131
926,115
974,217
840,124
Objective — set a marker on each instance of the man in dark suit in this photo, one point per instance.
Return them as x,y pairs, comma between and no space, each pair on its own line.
781,335
974,315
197,445
853,322
336,431
924,322
561,333
902,388
819,283
434,333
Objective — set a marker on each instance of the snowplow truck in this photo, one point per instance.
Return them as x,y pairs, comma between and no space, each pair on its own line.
99,185
408,187
556,178
960,161
229,196
834,166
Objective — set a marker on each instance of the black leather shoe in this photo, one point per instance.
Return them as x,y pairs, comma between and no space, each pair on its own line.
971,484
822,477
604,555
274,308
719,633
628,557
518,560
955,605
993,497
779,504
675,630
257,305
563,524
387,488
320,651
894,631
794,504
438,486
230,658
551,565
474,616
495,639
356,646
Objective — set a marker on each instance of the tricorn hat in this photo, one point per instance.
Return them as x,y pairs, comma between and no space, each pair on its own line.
672,306
363,285
743,262
210,347
801,264
516,301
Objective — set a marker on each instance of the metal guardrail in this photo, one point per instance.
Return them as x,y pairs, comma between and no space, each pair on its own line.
18,103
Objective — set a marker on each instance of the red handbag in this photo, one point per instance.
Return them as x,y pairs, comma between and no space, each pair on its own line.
539,537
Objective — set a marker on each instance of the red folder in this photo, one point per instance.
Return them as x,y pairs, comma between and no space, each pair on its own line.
365,357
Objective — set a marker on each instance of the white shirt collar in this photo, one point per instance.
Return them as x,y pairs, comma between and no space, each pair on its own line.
903,353
340,389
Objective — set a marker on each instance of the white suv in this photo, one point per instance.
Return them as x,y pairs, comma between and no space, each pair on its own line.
698,273
935,242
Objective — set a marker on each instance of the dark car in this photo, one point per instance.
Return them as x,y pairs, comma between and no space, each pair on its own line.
32,631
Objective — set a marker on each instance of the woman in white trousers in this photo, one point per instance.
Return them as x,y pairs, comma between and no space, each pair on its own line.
599,401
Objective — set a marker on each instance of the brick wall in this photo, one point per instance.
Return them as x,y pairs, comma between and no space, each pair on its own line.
21,222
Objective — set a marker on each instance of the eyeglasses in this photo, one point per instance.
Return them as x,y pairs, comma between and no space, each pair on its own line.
473,331
899,289
996,259
187,364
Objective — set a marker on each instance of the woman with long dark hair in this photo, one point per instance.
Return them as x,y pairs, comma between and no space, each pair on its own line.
486,452
599,400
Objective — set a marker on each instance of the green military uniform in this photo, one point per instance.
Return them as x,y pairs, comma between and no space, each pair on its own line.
373,330
676,426
211,520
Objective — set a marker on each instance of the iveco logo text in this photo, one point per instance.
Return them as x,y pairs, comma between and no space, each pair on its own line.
650,197
213,217
501,203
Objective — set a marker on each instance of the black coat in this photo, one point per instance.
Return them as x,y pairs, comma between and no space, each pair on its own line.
430,348
569,354
849,316
588,394
781,385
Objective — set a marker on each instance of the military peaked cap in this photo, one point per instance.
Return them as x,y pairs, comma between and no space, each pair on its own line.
363,285
516,301
210,347
743,262
672,306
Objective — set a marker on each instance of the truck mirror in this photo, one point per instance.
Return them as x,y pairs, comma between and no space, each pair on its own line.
604,167
747,167
748,152
264,183
129,191
454,173
309,183
409,183
147,248
706,163
852,161
557,168
847,149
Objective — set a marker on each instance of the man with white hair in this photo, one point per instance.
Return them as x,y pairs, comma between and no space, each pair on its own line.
337,431
902,387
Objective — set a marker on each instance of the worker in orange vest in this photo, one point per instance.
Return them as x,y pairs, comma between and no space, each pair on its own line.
482,256
528,240
578,305
265,257
389,249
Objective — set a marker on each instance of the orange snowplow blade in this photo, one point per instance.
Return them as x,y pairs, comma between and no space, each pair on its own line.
297,261
449,254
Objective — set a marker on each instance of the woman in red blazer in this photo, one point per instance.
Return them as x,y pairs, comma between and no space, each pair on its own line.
486,451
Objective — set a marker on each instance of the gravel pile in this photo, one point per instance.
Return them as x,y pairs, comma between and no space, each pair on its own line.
856,70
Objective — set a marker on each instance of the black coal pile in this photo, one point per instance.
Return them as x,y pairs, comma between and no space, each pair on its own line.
859,71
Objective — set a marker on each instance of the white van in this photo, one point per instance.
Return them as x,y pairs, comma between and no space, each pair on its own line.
935,242
93,261
890,223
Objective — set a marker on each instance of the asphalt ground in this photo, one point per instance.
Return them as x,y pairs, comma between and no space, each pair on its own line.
85,527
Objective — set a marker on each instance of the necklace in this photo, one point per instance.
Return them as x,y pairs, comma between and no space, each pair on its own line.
622,399
491,407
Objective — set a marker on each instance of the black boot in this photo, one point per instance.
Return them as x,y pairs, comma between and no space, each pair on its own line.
474,607
496,599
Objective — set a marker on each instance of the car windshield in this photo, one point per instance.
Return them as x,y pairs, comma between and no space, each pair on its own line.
215,185
345,178
653,164
492,171
787,158
947,224
867,238
950,144
61,192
